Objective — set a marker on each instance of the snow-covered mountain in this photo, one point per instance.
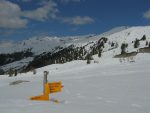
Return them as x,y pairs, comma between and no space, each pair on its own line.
47,46
111,83
105,87
38,45
47,43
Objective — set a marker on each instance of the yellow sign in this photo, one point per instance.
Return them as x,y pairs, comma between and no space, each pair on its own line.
55,87
48,89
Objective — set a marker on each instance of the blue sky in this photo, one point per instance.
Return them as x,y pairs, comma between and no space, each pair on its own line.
22,19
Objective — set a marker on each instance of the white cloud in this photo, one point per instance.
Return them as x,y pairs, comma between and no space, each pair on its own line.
48,10
78,20
147,14
10,15
13,23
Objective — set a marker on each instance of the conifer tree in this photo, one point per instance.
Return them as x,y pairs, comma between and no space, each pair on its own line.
136,43
1,72
100,53
146,43
15,72
144,37
89,58
123,48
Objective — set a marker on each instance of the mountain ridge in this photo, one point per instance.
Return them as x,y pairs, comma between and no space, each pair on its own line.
49,49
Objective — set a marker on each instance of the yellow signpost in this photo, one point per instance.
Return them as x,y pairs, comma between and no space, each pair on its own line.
55,87
48,89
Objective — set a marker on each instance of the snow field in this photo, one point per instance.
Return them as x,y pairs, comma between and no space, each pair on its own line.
107,87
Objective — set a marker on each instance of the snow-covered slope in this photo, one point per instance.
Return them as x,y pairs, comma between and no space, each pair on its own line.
115,30
18,64
106,87
130,34
44,44
39,45
47,43
119,35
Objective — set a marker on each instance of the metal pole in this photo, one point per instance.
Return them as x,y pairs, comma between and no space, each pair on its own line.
45,80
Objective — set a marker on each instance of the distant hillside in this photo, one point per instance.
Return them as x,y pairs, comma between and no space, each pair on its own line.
40,51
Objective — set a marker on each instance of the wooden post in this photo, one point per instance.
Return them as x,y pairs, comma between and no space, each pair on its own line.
45,80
